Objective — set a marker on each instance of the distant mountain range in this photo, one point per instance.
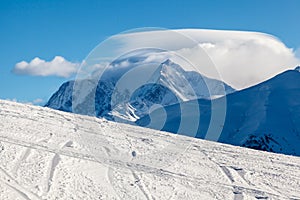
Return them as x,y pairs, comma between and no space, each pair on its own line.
169,84
264,117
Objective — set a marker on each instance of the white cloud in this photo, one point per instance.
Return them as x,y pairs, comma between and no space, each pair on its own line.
13,100
59,66
245,63
239,58
37,102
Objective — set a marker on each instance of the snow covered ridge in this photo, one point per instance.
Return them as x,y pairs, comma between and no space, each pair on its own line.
264,117
48,154
169,84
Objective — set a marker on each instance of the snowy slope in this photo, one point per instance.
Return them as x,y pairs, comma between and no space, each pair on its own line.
265,117
167,85
48,154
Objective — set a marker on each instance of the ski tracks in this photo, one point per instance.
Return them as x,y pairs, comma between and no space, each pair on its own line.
52,166
49,179
137,180
54,161
142,186
23,157
241,187
12,183
235,178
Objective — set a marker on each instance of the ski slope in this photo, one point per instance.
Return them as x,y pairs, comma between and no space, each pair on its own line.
48,154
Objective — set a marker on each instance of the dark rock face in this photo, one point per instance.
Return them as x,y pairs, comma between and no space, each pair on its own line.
264,142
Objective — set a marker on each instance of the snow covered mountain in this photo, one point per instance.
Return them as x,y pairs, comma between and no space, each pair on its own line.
48,154
169,84
264,117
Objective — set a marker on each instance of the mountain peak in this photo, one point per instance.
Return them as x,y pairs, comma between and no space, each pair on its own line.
167,62
167,84
168,65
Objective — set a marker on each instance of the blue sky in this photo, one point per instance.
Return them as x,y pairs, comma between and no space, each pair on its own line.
72,28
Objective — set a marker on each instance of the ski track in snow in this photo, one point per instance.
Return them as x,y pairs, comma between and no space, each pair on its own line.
234,172
142,186
23,157
53,164
11,182
22,194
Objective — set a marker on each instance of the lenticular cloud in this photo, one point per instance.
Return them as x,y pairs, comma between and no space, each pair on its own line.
241,58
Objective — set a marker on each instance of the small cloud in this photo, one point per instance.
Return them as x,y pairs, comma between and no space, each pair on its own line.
13,100
37,101
59,66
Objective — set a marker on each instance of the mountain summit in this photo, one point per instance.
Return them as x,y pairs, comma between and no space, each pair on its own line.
168,84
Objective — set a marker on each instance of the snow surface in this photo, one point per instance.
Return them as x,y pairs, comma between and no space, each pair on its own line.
48,154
